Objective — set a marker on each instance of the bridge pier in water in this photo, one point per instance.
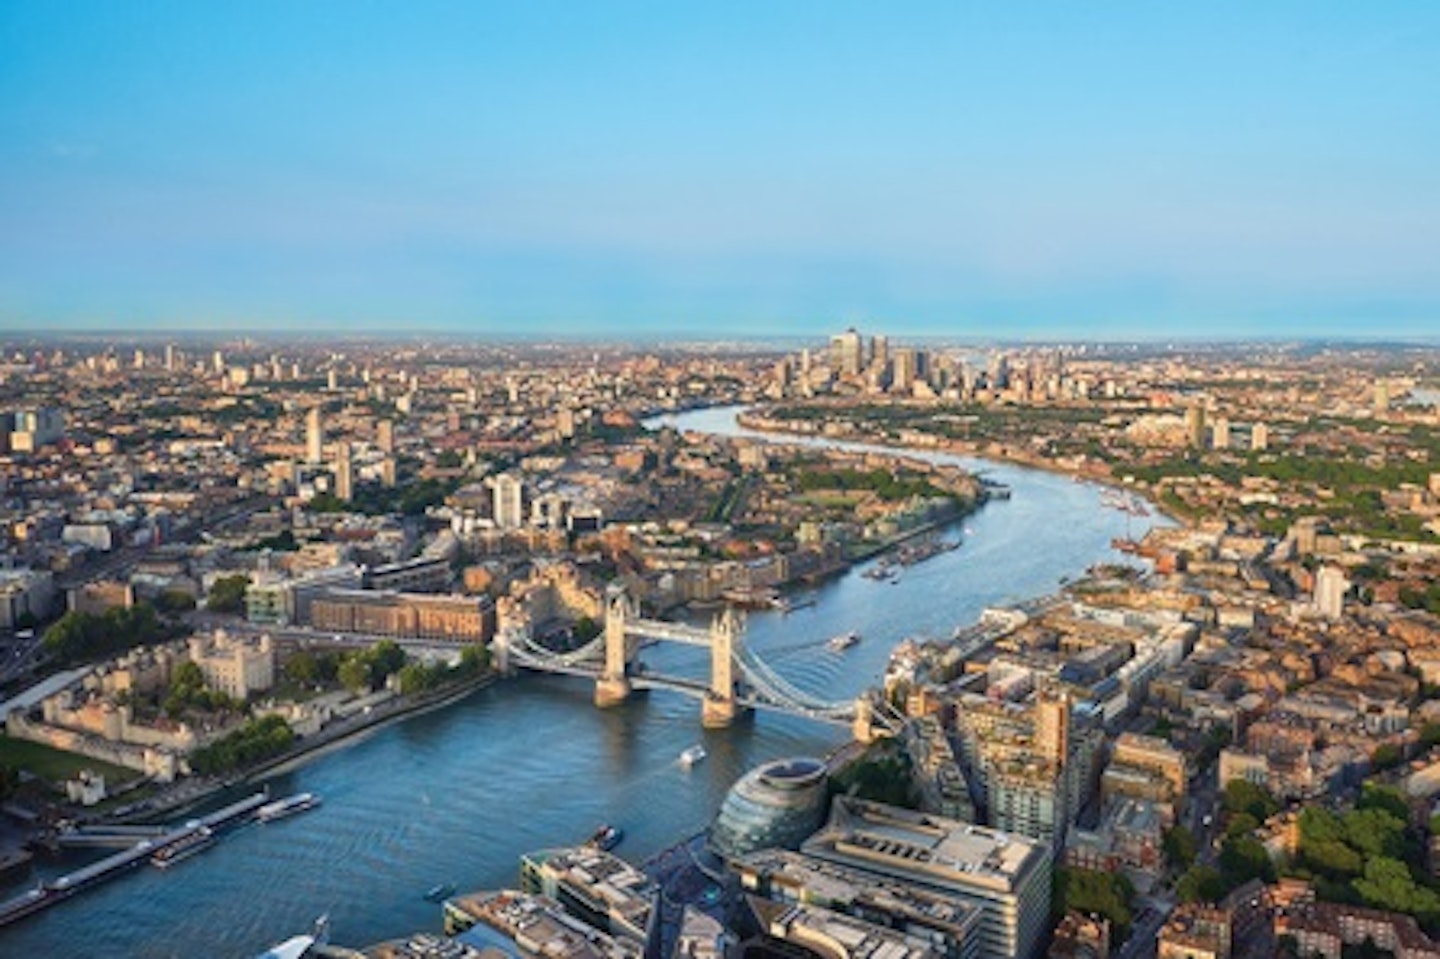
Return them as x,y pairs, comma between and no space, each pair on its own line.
719,707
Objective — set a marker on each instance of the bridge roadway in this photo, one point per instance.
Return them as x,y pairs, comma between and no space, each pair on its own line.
655,629
695,688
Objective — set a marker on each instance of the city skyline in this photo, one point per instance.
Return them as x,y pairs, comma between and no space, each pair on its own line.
480,170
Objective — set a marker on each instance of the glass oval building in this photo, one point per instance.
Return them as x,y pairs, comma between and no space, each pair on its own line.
778,804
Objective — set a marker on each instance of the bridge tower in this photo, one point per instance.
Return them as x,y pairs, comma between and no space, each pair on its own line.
613,686
862,729
719,708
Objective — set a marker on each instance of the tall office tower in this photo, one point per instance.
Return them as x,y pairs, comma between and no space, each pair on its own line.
387,472
1195,425
139,359
846,353
276,371
1330,588
169,357
332,381
294,371
217,362
879,352
997,375
1382,396
1259,437
314,437
565,422
780,372
33,428
385,436
1220,434
1005,877
344,473
806,361
903,372
508,506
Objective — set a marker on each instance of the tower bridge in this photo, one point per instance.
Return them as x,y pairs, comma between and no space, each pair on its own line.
738,681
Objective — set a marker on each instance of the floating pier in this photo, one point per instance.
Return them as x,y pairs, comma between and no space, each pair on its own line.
49,893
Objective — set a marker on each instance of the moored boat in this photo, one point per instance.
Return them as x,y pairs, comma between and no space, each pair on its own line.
439,891
183,848
607,837
693,755
288,806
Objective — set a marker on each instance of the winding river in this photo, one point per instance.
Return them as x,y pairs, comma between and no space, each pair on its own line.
456,795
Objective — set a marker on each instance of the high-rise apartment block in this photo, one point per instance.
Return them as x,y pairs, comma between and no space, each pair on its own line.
508,502
344,474
1330,589
314,437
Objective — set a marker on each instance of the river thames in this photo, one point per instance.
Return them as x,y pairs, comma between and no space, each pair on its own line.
456,795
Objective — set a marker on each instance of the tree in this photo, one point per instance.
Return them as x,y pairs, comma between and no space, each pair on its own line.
1374,832
417,677
1200,884
187,674
257,740
1180,847
1241,824
303,667
1386,756
354,674
1090,891
474,660
1387,884
386,657
1387,798
1243,858
1318,824
174,601
77,636
1243,796
227,594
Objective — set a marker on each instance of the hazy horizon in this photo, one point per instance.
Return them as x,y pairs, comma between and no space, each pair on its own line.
634,171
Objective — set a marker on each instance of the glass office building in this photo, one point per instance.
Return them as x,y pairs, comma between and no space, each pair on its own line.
776,805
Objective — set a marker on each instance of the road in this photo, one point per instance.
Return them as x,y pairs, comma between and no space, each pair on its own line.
1144,935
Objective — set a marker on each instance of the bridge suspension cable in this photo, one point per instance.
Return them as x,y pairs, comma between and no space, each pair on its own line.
531,651
775,687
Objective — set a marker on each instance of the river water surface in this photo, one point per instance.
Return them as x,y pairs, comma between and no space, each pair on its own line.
456,795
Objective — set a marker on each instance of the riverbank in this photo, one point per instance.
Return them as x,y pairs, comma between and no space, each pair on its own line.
782,430
190,793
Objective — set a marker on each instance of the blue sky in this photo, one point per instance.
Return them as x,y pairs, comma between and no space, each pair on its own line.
1056,169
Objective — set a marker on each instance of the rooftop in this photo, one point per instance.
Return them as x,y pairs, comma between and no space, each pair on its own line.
944,850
